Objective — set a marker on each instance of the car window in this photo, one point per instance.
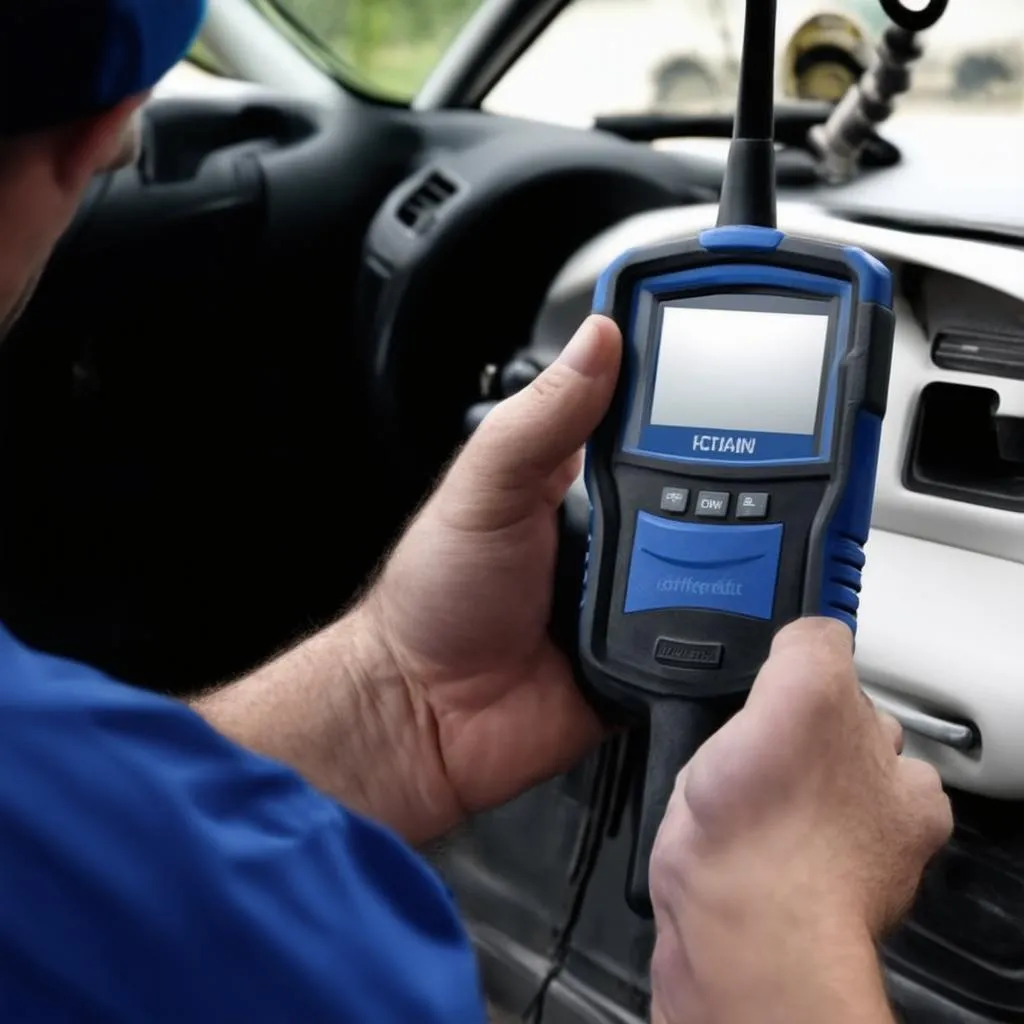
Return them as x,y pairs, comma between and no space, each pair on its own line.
603,57
384,47
204,58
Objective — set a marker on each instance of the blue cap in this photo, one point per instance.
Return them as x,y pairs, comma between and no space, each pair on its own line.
65,59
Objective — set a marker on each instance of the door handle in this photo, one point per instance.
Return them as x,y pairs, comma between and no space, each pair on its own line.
957,735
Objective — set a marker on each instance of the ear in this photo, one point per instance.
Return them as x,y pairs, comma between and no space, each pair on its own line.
97,143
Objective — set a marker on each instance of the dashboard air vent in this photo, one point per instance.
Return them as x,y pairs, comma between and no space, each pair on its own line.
419,209
976,352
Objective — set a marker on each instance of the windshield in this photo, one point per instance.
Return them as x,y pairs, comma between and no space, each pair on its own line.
384,47
602,57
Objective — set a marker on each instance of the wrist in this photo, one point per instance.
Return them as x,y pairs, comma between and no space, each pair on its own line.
733,950
340,712
787,981
401,770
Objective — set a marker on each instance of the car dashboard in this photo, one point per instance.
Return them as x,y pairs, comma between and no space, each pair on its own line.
939,639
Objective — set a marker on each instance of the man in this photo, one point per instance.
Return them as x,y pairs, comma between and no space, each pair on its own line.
246,859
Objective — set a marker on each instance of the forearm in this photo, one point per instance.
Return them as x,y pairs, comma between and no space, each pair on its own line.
777,975
336,709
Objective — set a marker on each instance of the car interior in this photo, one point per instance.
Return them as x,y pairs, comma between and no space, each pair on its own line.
256,350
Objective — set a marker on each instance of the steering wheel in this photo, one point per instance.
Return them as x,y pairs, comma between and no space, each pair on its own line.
460,294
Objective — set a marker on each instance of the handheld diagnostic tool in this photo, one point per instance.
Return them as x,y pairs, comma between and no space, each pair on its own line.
732,481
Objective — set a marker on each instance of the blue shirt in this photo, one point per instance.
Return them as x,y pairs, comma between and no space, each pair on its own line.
151,871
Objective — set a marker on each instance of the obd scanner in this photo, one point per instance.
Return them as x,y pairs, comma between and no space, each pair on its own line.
732,481
732,488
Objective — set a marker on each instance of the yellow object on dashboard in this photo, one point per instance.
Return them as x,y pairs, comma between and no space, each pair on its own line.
825,56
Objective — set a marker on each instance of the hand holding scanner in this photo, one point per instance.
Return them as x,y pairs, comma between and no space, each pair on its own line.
732,480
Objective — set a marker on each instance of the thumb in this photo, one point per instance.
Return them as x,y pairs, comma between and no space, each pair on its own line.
532,434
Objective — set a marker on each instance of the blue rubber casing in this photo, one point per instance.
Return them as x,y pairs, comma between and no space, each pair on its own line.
680,603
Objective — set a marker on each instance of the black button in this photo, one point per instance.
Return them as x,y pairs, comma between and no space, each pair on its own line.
713,504
753,505
675,499
684,654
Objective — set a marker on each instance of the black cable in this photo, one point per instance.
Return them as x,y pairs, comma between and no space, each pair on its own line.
609,778
755,105
592,819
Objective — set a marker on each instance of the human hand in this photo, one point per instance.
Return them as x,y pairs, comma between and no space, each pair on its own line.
794,839
464,602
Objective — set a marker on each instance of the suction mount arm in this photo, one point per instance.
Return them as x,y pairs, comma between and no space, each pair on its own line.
911,20
841,140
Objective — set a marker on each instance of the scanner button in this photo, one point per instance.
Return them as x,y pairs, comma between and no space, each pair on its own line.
713,504
732,569
675,499
687,654
752,505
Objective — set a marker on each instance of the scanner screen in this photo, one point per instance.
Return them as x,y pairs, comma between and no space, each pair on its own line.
733,369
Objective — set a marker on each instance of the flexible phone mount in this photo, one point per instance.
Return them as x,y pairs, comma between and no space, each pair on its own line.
840,142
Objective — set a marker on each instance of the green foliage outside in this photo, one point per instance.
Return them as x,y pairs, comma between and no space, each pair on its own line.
201,55
387,46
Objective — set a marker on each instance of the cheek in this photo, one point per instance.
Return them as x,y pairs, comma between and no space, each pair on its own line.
9,317
130,148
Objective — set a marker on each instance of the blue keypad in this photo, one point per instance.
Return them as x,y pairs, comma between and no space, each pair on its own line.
730,569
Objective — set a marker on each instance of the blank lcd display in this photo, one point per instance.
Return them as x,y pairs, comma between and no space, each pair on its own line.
730,369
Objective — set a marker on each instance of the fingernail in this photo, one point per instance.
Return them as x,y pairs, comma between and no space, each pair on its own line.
583,353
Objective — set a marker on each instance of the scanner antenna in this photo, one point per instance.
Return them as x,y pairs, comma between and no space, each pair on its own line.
748,191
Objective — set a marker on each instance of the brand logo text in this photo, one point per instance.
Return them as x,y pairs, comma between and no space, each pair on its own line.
727,444
723,587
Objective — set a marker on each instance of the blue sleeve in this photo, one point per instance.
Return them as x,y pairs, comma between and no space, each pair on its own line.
151,871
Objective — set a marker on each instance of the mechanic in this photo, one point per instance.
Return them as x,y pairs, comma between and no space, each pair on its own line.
250,858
